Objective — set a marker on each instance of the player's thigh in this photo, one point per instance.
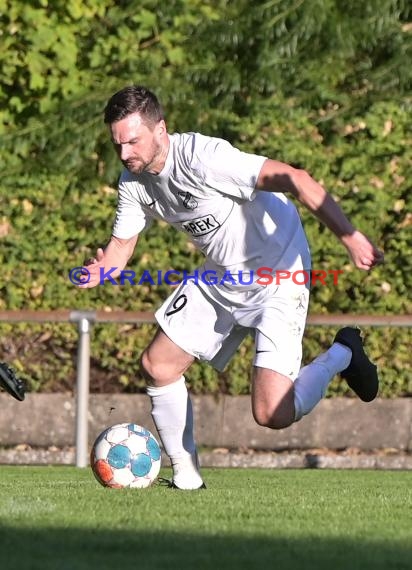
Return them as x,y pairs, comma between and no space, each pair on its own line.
195,321
279,331
163,361
272,398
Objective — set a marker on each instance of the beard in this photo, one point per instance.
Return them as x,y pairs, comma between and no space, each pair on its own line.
138,165
135,166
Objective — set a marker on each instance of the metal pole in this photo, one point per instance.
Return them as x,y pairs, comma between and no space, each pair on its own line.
82,394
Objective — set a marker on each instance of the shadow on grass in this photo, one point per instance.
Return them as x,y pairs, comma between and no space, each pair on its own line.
81,549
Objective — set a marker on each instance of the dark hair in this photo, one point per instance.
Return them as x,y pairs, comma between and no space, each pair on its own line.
133,99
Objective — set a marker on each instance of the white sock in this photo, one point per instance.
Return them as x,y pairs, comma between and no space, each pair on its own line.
311,384
173,417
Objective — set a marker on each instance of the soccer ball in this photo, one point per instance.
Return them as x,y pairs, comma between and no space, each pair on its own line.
125,455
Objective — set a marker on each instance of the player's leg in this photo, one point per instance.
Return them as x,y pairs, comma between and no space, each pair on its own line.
278,401
282,392
346,357
313,380
163,361
272,398
163,364
192,326
280,317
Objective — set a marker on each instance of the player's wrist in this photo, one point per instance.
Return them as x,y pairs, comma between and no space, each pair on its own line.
349,238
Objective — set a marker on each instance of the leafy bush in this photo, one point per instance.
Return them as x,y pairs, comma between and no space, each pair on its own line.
320,87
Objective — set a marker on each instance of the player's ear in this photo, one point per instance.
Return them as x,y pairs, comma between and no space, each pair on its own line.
161,127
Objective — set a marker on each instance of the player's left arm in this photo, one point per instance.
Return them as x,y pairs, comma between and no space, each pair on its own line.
277,176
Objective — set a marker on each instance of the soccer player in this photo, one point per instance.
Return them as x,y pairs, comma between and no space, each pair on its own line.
233,207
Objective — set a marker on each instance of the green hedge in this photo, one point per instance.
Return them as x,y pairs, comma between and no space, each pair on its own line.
321,87
49,227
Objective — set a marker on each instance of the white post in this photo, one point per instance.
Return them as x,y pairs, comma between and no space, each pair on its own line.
82,393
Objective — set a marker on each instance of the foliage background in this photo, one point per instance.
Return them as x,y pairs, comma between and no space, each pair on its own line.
324,85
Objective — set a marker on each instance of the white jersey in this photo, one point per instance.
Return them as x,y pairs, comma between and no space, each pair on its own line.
207,190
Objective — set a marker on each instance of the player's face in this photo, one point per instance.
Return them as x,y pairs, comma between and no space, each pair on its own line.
139,147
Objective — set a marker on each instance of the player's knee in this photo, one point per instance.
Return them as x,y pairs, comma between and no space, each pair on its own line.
150,370
273,418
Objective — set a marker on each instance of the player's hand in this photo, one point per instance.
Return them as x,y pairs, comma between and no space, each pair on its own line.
92,267
364,254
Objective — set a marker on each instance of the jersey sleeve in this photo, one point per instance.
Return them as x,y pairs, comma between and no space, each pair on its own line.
130,218
227,169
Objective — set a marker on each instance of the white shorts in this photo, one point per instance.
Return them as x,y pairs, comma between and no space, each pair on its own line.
209,322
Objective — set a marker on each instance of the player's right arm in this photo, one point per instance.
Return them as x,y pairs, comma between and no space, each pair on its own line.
111,260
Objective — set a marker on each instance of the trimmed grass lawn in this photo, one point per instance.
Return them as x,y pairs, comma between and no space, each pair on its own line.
61,518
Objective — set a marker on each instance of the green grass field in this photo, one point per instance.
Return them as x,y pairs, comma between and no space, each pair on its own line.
61,518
